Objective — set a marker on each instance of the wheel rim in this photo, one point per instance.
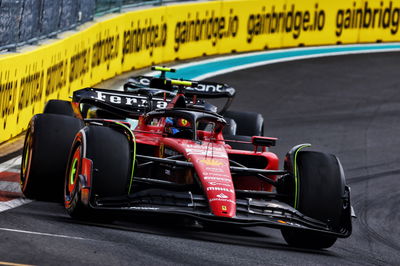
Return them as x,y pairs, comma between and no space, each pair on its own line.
72,175
71,180
26,161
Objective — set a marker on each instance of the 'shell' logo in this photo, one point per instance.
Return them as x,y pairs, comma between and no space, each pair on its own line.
211,162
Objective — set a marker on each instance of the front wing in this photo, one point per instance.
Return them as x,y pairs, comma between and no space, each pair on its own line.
249,212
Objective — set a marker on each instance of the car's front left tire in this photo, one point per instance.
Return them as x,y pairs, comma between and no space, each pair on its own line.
318,193
110,156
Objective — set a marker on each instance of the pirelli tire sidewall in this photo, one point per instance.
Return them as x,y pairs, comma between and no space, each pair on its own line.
247,123
47,143
319,193
110,152
59,107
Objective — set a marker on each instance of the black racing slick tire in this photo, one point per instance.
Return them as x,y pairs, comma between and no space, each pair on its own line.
318,194
230,127
58,107
110,154
248,123
47,143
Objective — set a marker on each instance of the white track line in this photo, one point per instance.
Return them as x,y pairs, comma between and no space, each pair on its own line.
277,51
13,264
281,60
290,59
42,234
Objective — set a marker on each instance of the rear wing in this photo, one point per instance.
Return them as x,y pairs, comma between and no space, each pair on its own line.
134,104
199,89
190,88
204,89
122,103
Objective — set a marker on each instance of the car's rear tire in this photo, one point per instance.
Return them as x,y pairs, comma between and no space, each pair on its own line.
230,127
248,123
111,156
319,195
245,125
59,107
47,143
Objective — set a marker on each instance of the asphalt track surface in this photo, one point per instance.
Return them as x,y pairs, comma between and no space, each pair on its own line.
345,105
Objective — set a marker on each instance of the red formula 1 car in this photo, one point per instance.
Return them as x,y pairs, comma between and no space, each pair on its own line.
177,161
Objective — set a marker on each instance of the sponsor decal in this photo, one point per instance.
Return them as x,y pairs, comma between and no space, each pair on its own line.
217,178
201,147
201,87
224,208
386,17
290,19
8,97
222,196
207,88
220,189
56,78
217,174
205,26
105,49
31,91
214,170
209,153
288,223
143,36
142,208
122,99
143,81
211,162
183,122
205,150
219,184
222,200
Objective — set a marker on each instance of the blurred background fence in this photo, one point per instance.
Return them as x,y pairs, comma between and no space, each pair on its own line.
28,21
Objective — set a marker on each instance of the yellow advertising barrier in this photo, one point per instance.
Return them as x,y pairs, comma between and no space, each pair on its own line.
116,43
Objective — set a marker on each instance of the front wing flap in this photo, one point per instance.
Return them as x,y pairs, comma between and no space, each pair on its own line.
249,211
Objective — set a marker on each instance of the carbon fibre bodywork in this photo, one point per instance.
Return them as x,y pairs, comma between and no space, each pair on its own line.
162,149
202,177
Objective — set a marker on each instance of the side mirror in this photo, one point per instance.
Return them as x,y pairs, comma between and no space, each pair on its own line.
263,141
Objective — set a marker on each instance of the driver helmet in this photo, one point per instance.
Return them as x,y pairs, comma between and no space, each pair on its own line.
175,125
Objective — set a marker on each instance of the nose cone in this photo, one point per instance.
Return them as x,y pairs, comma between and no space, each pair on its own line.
222,201
212,167
217,183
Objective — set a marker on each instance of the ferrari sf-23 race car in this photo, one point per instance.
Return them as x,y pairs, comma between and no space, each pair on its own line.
100,155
